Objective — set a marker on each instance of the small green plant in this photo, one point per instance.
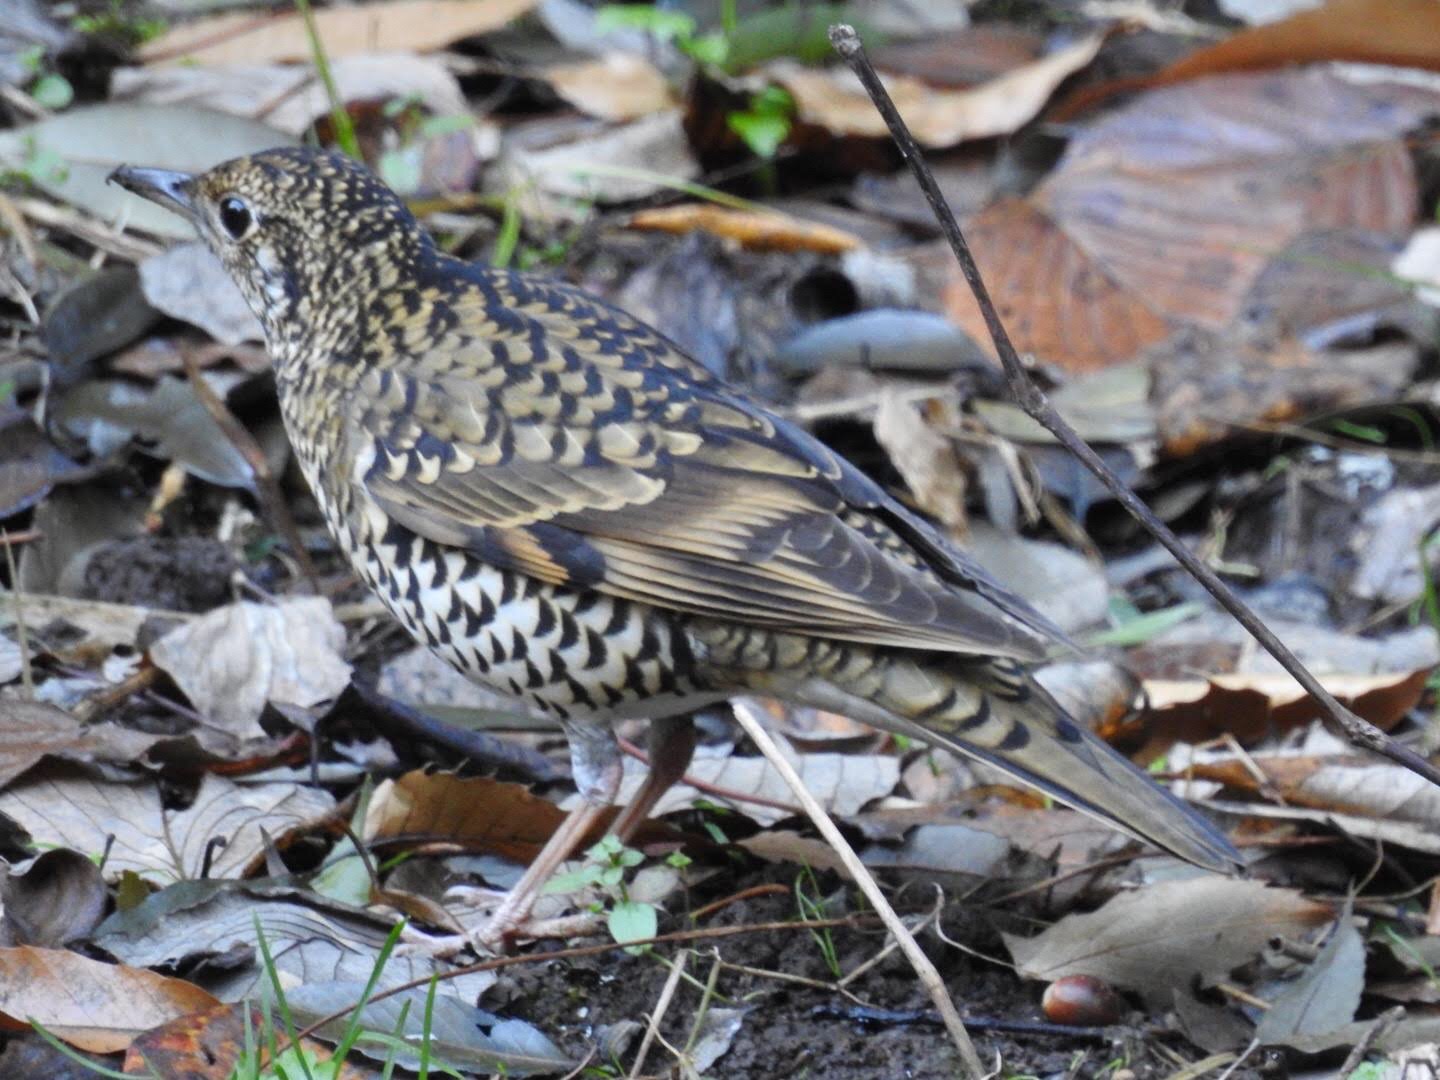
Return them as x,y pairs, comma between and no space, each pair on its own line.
345,136
113,22
606,867
678,27
400,166
766,123
50,89
812,909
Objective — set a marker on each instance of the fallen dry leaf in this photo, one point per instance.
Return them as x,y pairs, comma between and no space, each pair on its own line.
58,897
1325,995
843,783
1055,300
1168,934
1368,799
233,660
1170,207
925,459
206,1045
66,808
501,818
1186,193
1403,33
1254,706
617,86
94,1006
396,26
833,99
290,97
31,731
1208,386
756,230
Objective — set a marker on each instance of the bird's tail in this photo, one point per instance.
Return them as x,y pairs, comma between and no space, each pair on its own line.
994,711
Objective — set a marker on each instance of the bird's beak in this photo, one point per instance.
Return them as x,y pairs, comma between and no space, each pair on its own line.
172,190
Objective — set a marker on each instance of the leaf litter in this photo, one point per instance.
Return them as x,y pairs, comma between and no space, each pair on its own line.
1221,276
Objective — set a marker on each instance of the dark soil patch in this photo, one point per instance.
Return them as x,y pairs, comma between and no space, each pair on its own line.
792,1030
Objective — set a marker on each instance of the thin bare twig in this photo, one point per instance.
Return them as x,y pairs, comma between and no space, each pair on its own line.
1033,400
924,969
662,1006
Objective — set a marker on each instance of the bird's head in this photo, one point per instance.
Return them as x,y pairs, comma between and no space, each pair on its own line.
299,230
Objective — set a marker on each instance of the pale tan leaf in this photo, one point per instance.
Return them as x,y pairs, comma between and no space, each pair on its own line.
395,26
289,97
832,98
234,659
843,783
63,808
924,457
617,86
1154,939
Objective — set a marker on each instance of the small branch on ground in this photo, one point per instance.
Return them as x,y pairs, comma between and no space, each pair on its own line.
924,969
1033,400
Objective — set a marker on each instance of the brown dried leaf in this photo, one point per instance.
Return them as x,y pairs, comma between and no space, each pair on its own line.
1251,707
32,730
1405,33
207,1044
397,26
1164,936
756,230
1055,300
94,1006
1170,207
1368,799
1184,195
833,99
501,818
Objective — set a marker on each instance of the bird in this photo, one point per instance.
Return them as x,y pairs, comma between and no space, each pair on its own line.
556,500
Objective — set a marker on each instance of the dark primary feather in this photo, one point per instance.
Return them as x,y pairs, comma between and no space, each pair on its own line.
554,435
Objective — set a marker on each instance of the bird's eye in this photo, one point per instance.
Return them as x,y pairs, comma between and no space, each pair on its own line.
235,217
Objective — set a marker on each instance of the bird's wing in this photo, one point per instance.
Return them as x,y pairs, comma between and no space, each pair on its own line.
552,434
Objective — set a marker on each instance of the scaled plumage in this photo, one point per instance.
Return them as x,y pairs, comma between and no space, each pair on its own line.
559,502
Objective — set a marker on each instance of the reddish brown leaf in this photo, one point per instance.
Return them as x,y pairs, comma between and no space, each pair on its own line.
1055,300
207,1044
1405,33
97,1007
501,818
1251,707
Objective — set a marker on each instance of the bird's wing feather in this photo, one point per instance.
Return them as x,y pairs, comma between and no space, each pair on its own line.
552,434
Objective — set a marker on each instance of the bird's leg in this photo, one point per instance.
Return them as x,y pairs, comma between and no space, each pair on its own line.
595,760
672,743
